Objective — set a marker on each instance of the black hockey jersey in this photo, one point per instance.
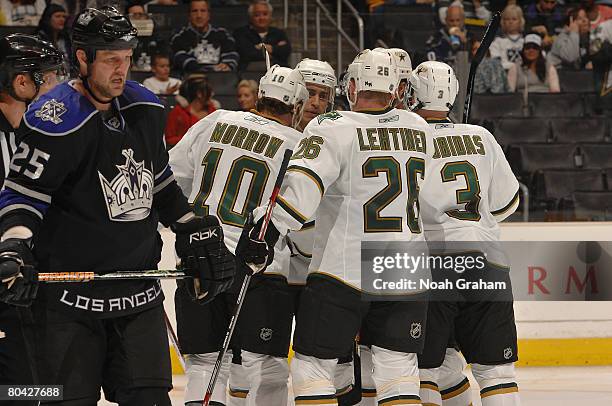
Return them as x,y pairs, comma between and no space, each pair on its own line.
8,145
92,187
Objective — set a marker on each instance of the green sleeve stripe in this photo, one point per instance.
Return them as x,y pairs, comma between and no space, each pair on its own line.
292,211
308,225
311,174
506,207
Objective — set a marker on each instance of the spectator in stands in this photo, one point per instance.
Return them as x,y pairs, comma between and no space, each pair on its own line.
22,12
148,42
601,55
199,46
509,46
52,28
444,44
161,82
571,47
258,34
490,76
471,9
247,94
533,75
194,104
597,13
545,18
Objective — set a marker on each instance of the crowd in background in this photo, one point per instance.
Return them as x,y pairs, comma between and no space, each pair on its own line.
536,39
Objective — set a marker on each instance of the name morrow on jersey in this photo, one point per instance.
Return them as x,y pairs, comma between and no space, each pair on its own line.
227,164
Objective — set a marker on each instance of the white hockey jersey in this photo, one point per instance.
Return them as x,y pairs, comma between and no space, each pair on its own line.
508,49
470,186
301,246
227,164
359,172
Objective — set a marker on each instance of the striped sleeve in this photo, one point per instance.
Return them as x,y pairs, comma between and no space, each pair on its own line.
307,178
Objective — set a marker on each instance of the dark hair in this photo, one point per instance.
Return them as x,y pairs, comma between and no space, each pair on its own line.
155,57
193,85
572,13
272,106
44,25
540,64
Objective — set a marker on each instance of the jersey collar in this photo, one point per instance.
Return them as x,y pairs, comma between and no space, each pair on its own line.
376,111
438,120
265,116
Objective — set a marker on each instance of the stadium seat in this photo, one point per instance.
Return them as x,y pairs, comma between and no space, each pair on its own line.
485,106
139,76
252,76
16,29
228,102
592,205
590,105
557,184
596,156
580,130
521,130
411,40
408,17
556,105
223,83
176,16
608,175
528,158
579,81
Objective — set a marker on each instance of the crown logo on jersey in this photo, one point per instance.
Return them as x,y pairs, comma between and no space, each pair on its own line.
130,194
51,110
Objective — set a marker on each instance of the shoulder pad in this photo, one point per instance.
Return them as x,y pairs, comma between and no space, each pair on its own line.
136,94
59,112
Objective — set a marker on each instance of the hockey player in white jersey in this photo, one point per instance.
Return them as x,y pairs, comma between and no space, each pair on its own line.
321,84
227,164
469,189
341,168
404,69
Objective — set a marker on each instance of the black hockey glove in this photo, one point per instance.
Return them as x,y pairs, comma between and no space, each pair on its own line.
18,275
252,254
204,256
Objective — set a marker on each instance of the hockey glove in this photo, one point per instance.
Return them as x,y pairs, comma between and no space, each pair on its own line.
252,254
18,275
204,256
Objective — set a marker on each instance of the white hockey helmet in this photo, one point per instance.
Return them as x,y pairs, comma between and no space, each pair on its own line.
404,69
402,61
319,73
372,70
434,86
287,86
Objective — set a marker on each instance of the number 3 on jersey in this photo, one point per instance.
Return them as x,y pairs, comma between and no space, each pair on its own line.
227,210
468,197
373,222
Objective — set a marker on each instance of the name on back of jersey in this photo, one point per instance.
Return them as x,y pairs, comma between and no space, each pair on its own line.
246,138
458,145
391,139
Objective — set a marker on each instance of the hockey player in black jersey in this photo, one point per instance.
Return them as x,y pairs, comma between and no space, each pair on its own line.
29,68
87,187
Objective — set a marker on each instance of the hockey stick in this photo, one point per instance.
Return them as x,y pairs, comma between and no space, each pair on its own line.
247,280
487,39
113,276
174,341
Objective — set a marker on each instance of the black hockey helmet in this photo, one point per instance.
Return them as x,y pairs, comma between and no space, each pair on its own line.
102,29
21,53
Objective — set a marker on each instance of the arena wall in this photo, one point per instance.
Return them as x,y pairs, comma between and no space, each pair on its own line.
550,332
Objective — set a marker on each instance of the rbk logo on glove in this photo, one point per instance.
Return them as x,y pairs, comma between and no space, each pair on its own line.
204,235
